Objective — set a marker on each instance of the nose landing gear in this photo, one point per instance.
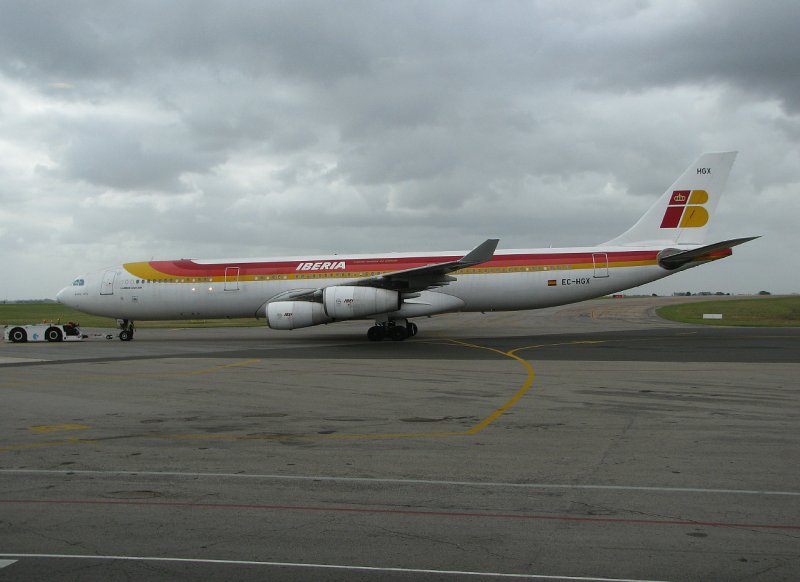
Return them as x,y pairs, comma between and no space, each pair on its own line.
127,328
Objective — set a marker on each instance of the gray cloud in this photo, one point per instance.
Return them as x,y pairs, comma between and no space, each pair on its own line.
748,45
115,155
201,128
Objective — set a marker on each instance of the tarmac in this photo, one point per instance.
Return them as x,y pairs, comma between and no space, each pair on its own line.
588,442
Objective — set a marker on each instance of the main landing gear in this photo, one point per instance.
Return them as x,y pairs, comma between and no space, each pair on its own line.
127,328
394,330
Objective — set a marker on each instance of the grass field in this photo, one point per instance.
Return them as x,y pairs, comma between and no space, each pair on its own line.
21,313
762,311
758,312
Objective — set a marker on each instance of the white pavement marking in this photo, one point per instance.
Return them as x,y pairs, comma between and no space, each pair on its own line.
10,360
5,563
402,481
329,567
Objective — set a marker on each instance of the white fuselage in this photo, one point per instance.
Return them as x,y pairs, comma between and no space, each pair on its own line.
511,280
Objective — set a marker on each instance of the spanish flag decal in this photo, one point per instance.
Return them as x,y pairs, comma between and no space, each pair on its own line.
551,282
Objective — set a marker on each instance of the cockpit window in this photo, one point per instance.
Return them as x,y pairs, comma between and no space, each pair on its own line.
78,283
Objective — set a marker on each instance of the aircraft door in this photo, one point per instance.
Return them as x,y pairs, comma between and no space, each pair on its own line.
600,261
231,278
107,284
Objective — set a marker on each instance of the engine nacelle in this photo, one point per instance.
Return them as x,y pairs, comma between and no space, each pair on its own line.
350,302
295,314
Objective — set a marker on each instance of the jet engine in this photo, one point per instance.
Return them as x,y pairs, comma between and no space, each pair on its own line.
350,302
345,302
295,314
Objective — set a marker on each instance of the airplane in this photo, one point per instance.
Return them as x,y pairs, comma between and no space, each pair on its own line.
392,289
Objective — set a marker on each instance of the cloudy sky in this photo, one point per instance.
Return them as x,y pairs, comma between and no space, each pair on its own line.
139,130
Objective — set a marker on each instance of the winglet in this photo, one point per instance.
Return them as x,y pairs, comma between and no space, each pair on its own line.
480,254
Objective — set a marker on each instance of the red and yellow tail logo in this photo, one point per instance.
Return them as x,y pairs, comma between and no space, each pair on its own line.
686,209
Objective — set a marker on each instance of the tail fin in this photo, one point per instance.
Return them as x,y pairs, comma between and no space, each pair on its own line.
682,213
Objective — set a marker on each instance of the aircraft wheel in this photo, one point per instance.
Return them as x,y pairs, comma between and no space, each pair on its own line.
18,335
376,333
412,329
53,334
398,333
126,335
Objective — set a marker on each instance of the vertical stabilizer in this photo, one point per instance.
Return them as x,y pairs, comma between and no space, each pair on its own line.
682,214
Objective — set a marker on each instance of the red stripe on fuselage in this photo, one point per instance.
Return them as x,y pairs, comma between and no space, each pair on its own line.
188,268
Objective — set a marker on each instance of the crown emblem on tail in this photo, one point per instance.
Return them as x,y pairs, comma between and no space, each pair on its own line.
686,210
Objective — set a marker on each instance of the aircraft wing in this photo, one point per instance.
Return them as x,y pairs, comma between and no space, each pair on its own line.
435,275
409,280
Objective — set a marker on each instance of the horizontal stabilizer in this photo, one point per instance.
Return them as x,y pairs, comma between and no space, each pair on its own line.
675,258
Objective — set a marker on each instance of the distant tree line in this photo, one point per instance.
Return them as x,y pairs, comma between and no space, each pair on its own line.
705,293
